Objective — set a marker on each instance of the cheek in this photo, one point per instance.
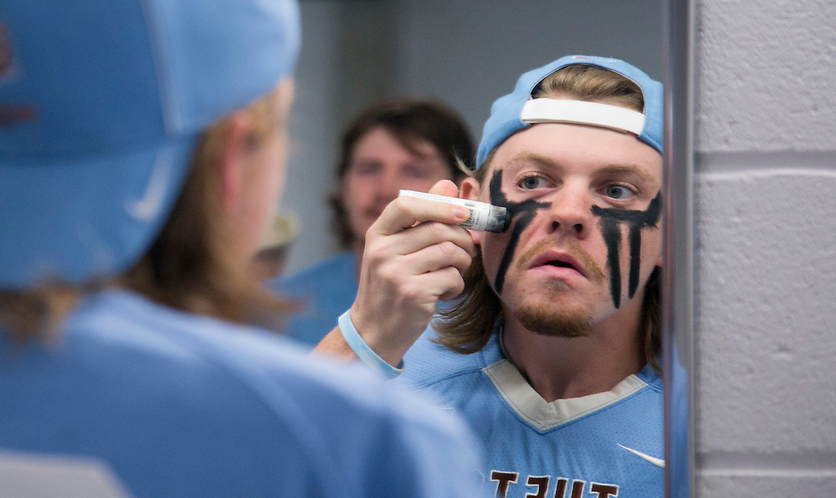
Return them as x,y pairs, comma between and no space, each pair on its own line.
265,177
348,193
357,190
651,248
492,249
495,254
279,174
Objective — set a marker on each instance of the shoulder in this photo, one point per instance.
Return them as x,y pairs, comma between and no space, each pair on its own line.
651,378
262,361
428,363
336,418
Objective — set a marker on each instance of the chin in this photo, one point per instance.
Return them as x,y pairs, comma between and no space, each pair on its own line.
548,322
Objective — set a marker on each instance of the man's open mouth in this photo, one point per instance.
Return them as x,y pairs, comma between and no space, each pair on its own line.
558,261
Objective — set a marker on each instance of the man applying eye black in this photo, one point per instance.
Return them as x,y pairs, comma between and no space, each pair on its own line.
550,349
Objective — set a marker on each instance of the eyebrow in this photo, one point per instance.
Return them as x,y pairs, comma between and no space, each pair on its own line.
627,169
530,157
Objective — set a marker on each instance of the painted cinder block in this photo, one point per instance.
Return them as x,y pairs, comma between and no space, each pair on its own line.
765,73
766,312
775,484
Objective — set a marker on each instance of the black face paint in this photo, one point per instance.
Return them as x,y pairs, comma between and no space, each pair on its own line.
526,211
636,220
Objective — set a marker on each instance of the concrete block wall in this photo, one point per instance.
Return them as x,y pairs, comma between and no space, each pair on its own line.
765,296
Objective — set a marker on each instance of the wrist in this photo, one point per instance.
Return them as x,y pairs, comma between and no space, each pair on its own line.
365,352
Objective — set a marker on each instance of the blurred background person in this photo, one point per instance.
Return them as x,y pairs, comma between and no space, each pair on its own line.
407,144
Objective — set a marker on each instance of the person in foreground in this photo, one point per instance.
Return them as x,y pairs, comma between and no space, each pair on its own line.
550,352
142,149
403,144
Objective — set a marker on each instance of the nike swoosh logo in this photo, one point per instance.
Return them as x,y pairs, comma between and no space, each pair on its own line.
144,209
655,461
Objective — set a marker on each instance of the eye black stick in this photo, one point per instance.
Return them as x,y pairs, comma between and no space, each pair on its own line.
483,217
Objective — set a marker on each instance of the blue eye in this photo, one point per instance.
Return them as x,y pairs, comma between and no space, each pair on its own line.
531,182
618,192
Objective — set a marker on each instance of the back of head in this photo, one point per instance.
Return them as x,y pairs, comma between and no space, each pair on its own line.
103,104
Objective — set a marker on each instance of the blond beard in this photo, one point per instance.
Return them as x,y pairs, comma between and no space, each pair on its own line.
543,319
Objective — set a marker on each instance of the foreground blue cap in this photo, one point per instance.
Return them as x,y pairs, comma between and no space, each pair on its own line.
506,113
101,104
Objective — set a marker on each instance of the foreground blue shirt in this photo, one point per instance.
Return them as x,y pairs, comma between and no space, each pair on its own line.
174,404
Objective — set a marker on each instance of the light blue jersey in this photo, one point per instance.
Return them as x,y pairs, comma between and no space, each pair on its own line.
174,404
603,446
326,289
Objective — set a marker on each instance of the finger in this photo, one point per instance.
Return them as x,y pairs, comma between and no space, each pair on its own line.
444,284
436,257
425,235
404,212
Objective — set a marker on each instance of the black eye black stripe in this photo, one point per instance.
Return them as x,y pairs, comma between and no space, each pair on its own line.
636,220
520,214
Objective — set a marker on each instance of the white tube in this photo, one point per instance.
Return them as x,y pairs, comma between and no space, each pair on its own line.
483,217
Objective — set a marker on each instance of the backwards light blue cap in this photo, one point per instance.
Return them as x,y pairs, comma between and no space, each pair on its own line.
517,110
101,105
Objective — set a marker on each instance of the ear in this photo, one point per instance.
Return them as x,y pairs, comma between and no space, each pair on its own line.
232,159
469,189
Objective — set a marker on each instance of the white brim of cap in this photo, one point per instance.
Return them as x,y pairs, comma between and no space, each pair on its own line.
71,221
545,110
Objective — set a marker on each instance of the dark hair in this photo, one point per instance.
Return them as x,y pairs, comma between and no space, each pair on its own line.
466,325
408,121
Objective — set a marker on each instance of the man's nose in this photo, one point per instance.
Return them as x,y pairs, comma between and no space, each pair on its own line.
571,211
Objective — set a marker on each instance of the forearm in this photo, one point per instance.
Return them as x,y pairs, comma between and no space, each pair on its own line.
334,344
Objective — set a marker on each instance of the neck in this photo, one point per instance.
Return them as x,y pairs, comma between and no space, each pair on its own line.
561,368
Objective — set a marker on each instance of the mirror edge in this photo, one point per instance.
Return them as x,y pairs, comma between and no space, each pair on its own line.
677,282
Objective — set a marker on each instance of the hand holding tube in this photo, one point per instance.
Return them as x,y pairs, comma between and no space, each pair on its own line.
415,254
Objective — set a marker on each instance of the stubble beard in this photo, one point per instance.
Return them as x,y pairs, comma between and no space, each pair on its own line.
543,319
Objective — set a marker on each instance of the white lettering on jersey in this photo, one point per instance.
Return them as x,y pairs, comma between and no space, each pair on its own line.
506,480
